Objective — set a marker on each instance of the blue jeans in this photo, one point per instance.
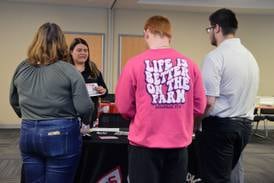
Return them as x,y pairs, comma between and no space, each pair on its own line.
50,150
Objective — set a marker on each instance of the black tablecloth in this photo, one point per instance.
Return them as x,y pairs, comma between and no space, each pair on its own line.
103,160
106,160
194,167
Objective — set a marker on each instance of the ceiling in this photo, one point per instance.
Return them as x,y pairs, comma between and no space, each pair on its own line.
244,6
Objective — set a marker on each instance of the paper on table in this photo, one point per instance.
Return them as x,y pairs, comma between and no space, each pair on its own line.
108,137
121,133
104,130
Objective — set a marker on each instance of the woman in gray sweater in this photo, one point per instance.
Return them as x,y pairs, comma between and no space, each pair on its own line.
49,95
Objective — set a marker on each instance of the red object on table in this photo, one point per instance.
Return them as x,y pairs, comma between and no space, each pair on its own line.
107,108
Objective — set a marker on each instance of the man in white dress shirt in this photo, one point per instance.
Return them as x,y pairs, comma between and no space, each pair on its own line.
231,78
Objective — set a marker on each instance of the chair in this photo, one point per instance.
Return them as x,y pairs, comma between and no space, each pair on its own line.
113,120
265,114
268,112
270,118
257,119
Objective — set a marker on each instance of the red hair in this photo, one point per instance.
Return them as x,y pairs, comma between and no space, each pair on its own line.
158,25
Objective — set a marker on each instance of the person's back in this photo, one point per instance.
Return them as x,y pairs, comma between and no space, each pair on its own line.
49,95
165,83
45,91
160,91
231,78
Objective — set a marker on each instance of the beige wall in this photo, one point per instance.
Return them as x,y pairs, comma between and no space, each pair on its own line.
189,34
19,23
255,31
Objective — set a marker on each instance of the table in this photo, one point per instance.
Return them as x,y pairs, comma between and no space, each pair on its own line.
107,107
103,160
263,113
194,167
264,109
106,160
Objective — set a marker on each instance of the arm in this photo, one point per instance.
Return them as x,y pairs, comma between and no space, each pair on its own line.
199,94
13,95
199,100
14,99
212,69
209,107
82,103
210,104
210,79
125,93
102,87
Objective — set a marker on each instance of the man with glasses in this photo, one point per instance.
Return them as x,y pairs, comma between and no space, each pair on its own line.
209,29
231,78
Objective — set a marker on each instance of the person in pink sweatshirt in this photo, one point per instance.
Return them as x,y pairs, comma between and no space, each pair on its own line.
160,91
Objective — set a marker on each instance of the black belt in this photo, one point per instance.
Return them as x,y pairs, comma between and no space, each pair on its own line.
228,124
241,119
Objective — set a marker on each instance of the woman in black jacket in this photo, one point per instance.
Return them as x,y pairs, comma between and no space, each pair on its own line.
79,57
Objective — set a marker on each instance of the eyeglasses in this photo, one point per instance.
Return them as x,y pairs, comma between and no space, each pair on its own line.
208,29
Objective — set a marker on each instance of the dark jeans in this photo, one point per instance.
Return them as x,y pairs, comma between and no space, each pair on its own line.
50,150
222,141
153,165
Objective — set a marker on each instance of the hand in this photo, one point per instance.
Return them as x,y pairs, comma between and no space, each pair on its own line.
100,90
84,129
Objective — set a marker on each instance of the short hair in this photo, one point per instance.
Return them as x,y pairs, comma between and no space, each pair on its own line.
49,45
89,65
159,25
226,19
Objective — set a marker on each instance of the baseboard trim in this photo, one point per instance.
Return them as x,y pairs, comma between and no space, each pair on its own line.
10,126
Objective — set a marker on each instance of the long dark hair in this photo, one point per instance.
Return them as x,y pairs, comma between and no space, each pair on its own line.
89,65
48,45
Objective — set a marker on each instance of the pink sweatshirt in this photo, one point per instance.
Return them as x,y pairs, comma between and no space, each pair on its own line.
160,90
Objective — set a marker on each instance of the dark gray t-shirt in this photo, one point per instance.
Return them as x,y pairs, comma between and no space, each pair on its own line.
49,92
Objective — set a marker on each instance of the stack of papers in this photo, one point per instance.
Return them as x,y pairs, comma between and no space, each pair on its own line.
104,130
109,133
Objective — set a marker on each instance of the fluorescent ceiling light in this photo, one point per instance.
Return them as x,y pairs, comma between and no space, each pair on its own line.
258,4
